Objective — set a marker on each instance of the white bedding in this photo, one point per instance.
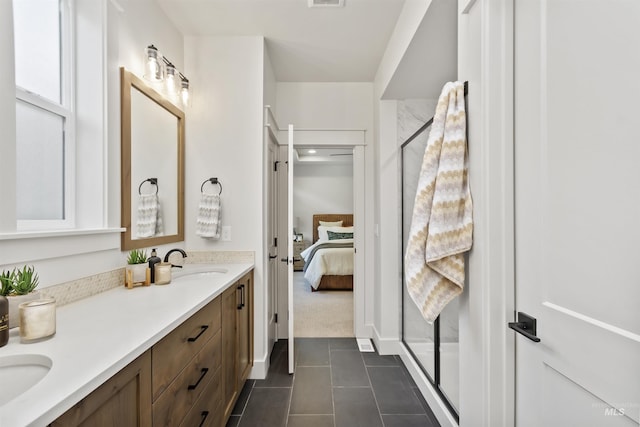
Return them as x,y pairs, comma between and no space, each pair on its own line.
329,261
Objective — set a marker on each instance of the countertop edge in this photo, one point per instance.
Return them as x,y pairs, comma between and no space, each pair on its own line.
53,410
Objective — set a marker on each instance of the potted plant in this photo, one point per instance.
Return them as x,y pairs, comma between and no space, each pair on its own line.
136,266
19,286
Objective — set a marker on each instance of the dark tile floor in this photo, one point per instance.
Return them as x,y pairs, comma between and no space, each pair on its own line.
334,386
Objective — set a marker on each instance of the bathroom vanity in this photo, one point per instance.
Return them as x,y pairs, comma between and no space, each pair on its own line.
168,355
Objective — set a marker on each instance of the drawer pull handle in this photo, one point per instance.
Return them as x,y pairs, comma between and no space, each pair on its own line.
203,372
241,289
202,329
204,415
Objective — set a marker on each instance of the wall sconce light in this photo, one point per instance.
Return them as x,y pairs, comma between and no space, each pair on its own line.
157,68
184,91
152,66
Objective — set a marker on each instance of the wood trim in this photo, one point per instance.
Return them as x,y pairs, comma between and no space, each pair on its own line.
127,81
347,221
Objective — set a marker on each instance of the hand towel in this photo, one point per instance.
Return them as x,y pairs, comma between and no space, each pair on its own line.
442,221
208,222
149,221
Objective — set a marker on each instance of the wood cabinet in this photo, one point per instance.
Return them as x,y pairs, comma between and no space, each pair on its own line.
192,377
123,401
298,247
184,364
237,340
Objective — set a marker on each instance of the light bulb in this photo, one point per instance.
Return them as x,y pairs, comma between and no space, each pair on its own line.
184,92
171,80
152,68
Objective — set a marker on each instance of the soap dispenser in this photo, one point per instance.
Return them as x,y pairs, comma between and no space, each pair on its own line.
153,260
4,321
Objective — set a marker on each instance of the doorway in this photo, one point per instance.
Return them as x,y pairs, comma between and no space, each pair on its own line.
354,141
322,184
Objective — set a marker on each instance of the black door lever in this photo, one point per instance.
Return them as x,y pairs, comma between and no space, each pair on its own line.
526,325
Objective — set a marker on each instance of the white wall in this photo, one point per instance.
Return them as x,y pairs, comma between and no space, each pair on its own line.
320,188
387,245
339,106
224,140
485,60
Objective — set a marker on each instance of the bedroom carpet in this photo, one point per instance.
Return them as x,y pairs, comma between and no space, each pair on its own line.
321,314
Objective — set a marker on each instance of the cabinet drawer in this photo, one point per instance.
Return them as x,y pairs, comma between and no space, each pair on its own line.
176,401
173,352
207,411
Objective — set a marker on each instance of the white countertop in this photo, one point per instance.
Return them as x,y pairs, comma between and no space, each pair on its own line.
98,336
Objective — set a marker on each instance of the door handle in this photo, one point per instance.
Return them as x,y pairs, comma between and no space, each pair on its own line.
526,325
286,260
273,256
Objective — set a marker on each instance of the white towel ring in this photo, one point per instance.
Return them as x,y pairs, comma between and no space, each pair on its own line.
212,181
152,181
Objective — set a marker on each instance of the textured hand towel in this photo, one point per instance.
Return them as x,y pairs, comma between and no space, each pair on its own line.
208,222
149,222
442,222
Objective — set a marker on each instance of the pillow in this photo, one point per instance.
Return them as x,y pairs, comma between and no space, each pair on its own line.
322,231
331,223
334,235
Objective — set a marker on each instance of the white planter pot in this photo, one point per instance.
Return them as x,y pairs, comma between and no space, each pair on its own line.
14,302
139,272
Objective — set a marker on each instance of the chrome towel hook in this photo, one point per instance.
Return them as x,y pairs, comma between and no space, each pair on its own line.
212,181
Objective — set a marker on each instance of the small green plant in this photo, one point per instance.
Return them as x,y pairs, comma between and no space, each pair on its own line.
137,256
6,282
25,281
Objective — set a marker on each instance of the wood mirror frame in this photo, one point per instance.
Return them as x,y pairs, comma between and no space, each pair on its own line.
129,82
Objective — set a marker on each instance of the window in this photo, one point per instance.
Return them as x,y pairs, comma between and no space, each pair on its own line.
45,119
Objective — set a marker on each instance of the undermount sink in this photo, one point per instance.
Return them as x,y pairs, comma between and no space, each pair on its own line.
20,372
200,273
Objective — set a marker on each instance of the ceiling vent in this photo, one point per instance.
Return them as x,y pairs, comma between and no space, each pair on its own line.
326,3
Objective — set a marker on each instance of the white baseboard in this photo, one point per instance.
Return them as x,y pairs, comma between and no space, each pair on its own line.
260,368
386,346
428,392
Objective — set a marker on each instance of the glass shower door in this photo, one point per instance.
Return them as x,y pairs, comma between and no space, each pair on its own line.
434,347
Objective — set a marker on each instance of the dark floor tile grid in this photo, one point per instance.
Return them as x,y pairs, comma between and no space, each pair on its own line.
334,386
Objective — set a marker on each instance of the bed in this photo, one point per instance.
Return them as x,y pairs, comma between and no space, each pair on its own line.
330,268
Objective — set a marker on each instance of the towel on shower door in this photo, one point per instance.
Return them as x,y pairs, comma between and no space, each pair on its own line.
442,222
149,221
208,222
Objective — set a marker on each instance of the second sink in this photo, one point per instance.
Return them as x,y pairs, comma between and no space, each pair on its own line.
20,372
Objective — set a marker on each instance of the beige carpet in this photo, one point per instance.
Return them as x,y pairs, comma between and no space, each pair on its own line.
322,313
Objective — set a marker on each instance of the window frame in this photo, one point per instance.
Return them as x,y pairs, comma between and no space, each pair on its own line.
66,110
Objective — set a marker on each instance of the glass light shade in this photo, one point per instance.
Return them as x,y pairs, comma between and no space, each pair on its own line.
172,80
153,67
184,93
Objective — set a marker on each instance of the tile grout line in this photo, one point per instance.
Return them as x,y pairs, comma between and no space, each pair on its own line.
333,403
366,368
293,381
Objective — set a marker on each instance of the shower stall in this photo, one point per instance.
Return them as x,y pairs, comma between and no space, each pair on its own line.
434,347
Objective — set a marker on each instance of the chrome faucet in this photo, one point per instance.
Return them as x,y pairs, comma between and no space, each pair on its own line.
183,253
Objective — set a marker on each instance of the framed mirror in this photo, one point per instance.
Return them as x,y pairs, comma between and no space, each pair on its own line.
152,166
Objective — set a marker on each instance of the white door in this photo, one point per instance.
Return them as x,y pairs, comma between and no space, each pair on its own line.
577,144
272,233
290,249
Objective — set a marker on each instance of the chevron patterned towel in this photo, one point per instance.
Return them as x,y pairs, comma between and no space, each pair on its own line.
149,221
442,222
208,221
